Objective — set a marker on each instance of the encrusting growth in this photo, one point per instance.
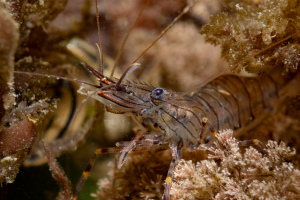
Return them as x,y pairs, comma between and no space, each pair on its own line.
258,35
231,174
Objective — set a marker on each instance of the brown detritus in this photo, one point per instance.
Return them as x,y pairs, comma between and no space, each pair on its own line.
58,174
258,36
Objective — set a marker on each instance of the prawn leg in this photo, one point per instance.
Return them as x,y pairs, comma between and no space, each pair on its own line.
199,145
87,170
148,141
176,156
145,140
126,150
202,133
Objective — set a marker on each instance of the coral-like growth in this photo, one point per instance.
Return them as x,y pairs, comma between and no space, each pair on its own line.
105,185
231,174
259,35
141,177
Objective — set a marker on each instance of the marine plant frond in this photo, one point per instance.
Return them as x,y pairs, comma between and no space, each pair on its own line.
258,35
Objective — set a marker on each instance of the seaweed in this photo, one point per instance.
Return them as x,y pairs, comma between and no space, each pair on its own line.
27,103
257,35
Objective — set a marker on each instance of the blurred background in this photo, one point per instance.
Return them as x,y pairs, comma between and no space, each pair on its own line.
54,37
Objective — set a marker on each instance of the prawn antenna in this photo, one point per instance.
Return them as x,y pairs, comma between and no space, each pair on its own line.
100,47
185,10
124,41
57,77
134,65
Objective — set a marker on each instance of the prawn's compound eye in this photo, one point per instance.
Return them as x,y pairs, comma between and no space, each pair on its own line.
157,94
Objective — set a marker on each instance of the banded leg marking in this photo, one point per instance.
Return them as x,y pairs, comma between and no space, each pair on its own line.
136,145
176,156
204,123
84,177
199,145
